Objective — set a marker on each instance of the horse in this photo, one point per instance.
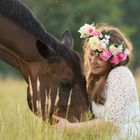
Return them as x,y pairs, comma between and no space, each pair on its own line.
50,66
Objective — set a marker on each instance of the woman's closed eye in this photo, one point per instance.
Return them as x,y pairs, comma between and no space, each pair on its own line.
92,53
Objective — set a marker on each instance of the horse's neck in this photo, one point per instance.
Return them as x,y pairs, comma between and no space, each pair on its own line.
17,46
17,40
8,58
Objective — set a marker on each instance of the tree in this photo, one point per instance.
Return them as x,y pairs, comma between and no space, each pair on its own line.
59,15
131,17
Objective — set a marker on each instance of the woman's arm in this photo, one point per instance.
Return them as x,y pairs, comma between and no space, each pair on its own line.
97,124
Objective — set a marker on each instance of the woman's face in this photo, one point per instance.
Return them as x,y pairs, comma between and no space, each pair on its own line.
98,66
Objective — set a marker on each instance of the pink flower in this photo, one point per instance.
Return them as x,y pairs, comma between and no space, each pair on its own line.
99,34
101,46
115,59
105,55
122,56
96,33
90,30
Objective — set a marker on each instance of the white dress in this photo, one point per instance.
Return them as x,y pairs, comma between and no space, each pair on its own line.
122,106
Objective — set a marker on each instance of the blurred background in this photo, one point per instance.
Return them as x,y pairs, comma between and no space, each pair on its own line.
59,15
17,122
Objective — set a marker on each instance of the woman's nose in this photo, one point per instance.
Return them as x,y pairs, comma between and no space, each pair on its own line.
93,59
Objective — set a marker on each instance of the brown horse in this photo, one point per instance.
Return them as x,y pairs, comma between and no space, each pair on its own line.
51,68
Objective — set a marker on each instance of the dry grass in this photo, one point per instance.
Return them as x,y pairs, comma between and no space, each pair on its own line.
137,78
17,122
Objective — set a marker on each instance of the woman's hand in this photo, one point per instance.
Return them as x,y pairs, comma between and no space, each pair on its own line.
62,123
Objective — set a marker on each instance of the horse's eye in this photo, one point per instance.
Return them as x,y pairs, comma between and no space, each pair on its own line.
66,84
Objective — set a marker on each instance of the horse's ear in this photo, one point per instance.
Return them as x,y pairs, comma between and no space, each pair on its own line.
45,50
67,39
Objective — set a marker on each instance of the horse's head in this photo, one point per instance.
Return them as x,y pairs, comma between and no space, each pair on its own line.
52,69
62,79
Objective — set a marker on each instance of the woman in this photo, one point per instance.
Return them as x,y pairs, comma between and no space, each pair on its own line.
110,84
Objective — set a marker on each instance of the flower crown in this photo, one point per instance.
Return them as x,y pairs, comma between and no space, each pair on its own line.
99,42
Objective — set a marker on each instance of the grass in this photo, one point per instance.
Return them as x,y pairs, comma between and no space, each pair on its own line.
17,122
137,78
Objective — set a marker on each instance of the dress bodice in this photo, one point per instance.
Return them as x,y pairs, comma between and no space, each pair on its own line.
122,104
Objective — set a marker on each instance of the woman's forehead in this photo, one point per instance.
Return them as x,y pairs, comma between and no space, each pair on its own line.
92,51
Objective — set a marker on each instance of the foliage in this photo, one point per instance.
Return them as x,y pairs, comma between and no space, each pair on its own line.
131,18
58,16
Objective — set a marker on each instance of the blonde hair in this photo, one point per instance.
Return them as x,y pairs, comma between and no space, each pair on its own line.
95,85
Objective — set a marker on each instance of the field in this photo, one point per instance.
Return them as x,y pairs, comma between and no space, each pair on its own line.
17,122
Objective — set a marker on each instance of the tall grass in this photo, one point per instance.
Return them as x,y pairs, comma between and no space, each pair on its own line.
137,78
17,122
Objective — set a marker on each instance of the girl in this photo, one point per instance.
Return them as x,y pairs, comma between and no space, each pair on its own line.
110,84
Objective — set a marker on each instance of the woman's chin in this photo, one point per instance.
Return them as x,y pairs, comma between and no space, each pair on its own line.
96,72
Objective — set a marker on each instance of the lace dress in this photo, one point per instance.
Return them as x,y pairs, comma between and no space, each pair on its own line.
122,105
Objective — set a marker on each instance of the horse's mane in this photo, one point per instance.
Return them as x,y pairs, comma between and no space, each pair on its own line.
21,15
16,11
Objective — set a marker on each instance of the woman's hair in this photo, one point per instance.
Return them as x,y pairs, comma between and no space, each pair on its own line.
96,85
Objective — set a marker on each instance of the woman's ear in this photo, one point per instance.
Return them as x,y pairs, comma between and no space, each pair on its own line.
67,39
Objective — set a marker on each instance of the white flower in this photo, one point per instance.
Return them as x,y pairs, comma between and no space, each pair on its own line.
101,46
120,47
113,49
83,30
93,42
104,40
107,37
126,51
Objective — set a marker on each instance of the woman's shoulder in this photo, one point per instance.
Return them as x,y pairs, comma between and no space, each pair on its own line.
121,68
120,72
